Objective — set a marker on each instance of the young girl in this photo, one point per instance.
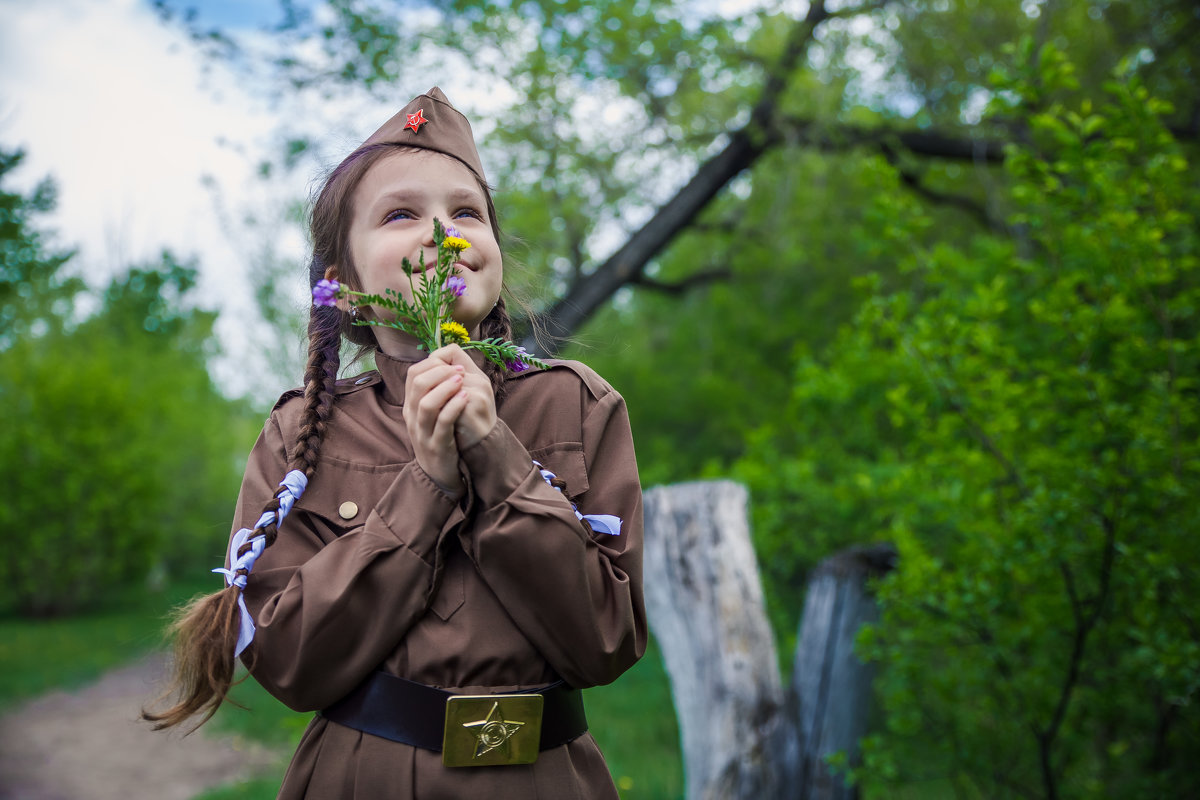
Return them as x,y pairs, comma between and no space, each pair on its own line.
408,561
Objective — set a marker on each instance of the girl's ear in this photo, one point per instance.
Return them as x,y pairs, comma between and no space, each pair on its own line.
343,304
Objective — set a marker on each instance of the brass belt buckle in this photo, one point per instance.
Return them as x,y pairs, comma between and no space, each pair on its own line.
490,729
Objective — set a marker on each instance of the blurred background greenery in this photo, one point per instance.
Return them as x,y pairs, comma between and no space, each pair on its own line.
942,292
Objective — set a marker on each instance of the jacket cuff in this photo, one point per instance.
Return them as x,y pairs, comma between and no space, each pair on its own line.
497,464
416,510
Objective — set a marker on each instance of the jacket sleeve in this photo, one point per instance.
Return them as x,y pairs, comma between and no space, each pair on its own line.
575,594
317,593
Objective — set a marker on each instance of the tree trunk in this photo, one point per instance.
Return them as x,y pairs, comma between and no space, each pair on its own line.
743,738
830,695
706,609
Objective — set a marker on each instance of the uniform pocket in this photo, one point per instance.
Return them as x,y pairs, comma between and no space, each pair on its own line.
565,459
343,494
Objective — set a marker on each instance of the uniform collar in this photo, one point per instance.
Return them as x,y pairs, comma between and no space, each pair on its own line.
393,369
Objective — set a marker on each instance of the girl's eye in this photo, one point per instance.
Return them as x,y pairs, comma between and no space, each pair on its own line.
392,216
468,212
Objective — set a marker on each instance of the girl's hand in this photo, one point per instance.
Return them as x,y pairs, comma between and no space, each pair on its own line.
479,417
434,400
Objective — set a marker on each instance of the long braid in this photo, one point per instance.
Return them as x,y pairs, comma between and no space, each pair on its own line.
320,375
496,324
206,631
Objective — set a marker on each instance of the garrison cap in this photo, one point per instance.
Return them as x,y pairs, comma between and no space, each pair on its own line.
429,121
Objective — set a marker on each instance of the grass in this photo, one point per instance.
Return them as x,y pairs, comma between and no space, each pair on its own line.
263,719
633,720
39,655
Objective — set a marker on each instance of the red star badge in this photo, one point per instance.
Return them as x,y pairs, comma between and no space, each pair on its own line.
415,121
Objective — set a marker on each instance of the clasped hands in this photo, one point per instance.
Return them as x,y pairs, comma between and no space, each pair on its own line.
448,406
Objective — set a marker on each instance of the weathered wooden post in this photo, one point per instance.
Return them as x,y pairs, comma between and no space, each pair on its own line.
706,609
830,694
743,737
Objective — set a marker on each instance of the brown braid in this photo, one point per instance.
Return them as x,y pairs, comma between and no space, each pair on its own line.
496,324
324,339
206,630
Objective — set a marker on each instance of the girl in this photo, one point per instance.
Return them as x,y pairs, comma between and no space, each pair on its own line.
421,577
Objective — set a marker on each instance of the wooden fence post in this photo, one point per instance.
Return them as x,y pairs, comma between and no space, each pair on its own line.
705,605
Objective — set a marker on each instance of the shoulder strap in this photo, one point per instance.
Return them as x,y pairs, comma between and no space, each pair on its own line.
343,386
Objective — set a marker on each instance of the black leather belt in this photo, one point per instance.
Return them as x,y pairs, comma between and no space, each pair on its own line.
412,713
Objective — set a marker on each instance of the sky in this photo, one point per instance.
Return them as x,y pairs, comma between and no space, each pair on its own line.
154,146
112,104
119,110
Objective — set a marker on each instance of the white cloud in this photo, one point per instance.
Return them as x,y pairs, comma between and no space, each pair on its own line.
113,105
122,112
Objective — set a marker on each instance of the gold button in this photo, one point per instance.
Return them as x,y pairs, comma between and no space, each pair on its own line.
348,510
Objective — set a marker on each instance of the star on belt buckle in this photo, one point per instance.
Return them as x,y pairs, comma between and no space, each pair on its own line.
492,729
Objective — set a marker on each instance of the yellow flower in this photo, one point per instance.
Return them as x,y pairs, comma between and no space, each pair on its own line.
455,243
454,333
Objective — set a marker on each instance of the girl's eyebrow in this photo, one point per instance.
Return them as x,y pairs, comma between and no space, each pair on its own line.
465,196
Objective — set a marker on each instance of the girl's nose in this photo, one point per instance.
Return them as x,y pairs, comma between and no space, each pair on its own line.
427,240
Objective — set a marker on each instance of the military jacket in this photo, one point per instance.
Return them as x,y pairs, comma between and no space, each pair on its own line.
504,590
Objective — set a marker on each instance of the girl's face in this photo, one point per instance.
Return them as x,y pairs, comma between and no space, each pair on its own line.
394,207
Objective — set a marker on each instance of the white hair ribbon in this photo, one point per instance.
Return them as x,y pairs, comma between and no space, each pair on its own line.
294,483
600,523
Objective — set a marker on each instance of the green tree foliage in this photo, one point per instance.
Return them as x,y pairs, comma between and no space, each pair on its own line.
702,366
34,294
944,51
118,452
616,99
616,104
1020,416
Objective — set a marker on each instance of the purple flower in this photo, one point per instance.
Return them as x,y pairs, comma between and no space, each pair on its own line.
325,293
452,231
518,364
456,285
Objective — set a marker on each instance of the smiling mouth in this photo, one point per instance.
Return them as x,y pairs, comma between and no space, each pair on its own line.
430,266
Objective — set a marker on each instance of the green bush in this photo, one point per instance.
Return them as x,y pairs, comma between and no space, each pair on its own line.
119,453
1021,419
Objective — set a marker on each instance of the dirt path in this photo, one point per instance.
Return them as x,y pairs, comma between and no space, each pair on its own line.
88,745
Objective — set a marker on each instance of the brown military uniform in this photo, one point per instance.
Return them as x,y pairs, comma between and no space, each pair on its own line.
377,568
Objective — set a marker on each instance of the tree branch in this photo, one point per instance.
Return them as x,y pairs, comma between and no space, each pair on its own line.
623,266
1085,623
679,287
981,436
965,204
764,130
854,11
937,144
913,181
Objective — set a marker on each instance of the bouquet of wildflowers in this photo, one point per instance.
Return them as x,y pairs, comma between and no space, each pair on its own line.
428,316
